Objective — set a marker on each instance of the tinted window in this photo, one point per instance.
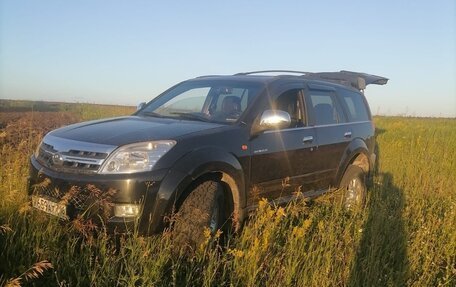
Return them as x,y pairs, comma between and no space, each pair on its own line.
290,103
355,105
325,109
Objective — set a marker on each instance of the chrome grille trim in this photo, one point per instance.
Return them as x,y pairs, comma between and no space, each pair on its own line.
72,156
66,145
82,160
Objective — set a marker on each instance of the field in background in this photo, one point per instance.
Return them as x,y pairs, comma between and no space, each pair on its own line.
80,111
405,236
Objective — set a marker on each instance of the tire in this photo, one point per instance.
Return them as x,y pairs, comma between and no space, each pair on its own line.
202,209
353,188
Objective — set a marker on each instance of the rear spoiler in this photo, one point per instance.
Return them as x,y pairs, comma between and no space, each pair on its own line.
352,79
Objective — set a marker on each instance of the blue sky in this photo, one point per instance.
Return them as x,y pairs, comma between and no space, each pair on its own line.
125,52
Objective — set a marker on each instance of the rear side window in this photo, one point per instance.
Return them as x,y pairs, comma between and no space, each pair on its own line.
355,106
325,109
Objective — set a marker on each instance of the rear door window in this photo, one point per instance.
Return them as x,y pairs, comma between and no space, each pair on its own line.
325,109
355,106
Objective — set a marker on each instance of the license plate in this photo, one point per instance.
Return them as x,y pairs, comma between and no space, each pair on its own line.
49,206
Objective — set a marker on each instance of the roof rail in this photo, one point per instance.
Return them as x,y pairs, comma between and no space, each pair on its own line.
271,71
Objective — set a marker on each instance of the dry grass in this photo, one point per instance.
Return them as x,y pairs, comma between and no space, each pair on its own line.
405,237
34,272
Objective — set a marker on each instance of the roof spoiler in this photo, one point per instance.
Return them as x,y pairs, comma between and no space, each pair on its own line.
352,79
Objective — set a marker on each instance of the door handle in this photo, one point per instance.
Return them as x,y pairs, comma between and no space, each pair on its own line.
308,139
347,135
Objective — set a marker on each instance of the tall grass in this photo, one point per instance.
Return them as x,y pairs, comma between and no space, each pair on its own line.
405,236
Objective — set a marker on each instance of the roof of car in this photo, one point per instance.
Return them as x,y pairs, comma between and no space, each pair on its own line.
350,79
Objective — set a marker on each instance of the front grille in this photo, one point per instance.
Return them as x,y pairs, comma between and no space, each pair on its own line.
87,202
73,160
79,200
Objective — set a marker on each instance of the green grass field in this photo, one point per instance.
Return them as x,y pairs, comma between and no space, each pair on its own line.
406,236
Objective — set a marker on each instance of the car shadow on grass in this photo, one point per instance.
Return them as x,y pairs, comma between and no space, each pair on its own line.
381,259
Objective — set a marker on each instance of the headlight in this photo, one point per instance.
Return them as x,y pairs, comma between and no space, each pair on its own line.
136,157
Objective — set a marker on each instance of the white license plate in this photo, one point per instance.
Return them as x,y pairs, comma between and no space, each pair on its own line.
49,206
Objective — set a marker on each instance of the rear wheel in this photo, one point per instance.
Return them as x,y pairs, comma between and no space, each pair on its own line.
353,188
202,209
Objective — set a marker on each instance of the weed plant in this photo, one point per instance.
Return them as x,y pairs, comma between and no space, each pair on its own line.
406,235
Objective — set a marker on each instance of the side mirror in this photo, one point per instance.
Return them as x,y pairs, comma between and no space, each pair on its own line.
140,106
274,119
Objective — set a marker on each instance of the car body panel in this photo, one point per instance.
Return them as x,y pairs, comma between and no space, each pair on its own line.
130,130
281,162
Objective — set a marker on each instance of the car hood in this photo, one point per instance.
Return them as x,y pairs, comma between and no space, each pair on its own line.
125,130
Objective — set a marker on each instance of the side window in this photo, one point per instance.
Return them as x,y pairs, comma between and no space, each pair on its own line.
355,105
324,108
290,102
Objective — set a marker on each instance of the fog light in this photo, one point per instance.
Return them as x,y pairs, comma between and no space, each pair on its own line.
126,210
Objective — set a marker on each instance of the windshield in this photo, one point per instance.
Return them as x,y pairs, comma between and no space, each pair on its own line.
211,101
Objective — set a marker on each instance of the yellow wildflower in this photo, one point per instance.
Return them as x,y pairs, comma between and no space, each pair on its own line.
280,212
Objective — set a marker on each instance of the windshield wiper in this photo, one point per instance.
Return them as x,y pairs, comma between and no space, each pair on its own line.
152,114
191,116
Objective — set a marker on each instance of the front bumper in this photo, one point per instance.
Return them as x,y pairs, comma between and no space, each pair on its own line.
80,191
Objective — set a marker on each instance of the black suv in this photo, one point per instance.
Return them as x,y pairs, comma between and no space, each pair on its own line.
209,148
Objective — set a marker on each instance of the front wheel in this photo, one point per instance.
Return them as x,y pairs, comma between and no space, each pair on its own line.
203,209
353,188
